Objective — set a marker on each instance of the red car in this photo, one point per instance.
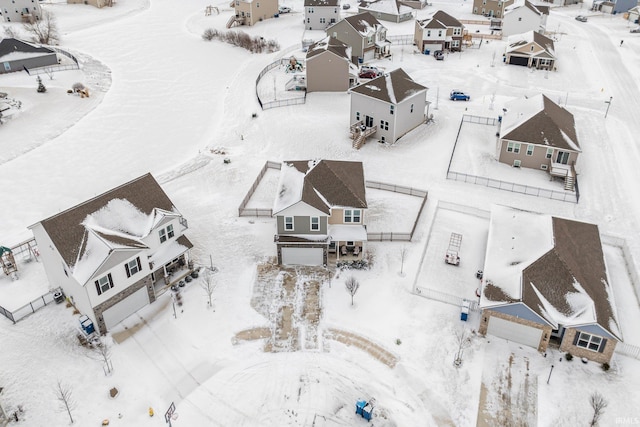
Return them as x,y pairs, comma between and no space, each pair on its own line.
368,75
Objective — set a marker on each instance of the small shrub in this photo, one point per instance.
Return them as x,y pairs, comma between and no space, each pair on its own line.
568,356
398,341
76,311
210,34
605,366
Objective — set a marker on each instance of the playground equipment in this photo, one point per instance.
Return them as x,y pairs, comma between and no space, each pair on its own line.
452,256
294,65
8,262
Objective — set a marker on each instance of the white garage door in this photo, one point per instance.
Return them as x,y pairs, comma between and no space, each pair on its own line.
134,302
514,332
302,256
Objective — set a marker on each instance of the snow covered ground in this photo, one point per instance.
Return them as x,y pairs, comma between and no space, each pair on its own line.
163,100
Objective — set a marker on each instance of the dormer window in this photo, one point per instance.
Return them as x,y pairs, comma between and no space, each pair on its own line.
166,233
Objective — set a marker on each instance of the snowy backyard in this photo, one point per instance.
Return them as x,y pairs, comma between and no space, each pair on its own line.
286,346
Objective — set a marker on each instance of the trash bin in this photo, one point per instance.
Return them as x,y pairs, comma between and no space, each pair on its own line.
58,296
360,404
87,324
464,311
427,52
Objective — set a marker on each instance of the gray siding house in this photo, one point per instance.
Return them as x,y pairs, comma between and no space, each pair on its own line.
537,133
366,36
319,14
387,108
387,10
329,67
525,17
614,6
16,55
545,280
111,254
439,32
320,212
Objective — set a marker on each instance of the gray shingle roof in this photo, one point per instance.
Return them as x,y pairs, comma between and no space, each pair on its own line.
329,44
394,87
10,45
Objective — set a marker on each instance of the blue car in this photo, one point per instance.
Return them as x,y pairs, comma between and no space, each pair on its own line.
459,96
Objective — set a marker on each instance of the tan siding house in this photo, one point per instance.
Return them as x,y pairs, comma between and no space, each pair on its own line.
438,32
531,49
250,12
493,8
329,67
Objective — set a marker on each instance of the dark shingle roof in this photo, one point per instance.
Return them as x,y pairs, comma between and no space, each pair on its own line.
440,19
329,44
10,45
363,21
67,231
331,183
547,127
576,258
394,87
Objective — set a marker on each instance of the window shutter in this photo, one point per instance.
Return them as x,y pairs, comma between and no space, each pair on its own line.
110,280
139,263
602,345
126,267
575,339
98,288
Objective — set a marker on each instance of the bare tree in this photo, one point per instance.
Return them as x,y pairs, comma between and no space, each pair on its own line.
44,30
352,286
598,403
403,256
63,394
101,351
463,340
209,286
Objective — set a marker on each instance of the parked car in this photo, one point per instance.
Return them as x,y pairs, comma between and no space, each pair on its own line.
635,30
368,74
346,6
439,55
581,18
456,95
284,9
365,68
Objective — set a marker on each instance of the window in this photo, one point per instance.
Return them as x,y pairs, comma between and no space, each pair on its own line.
391,109
382,139
257,5
531,48
308,20
457,31
358,115
428,33
352,215
543,167
590,342
288,223
315,223
384,125
333,21
166,233
513,147
133,266
412,108
323,20
455,43
549,153
516,163
310,10
529,149
103,284
439,33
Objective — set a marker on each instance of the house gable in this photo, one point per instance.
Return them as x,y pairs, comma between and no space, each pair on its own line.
392,88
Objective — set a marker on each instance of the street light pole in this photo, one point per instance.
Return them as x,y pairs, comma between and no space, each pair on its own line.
608,105
550,374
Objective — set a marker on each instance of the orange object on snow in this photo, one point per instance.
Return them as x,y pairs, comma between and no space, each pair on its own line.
151,411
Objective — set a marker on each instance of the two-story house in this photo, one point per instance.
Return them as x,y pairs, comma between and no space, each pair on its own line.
320,210
521,18
319,14
387,10
20,11
329,67
545,280
492,8
249,12
537,133
111,253
439,32
365,34
387,107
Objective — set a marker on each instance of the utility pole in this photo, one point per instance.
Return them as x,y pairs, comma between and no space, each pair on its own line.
608,105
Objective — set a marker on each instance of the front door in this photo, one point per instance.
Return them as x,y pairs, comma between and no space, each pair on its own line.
563,157
368,121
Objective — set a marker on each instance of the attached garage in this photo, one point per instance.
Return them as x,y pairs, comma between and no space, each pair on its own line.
515,332
117,313
302,256
519,60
